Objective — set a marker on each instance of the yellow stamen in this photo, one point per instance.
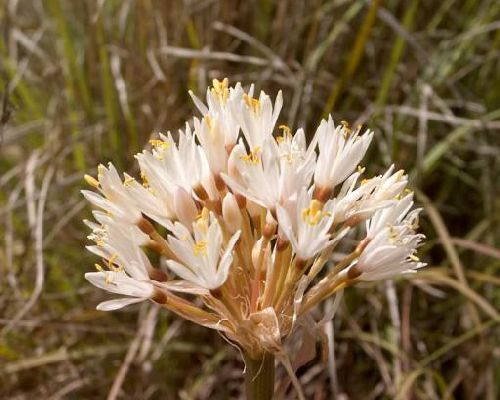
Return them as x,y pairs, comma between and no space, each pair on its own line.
254,104
361,169
202,220
252,157
99,268
101,170
393,234
314,213
128,181
287,132
91,181
200,248
347,130
109,276
289,157
145,181
221,89
159,144
209,122
414,225
109,279
111,262
413,257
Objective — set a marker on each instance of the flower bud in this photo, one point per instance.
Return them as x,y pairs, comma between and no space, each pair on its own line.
231,213
270,226
232,167
184,206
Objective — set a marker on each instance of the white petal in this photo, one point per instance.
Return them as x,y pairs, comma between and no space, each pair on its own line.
184,272
116,304
119,283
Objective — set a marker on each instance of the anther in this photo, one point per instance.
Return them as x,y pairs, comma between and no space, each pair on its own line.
287,132
159,144
200,248
91,181
252,157
128,180
99,268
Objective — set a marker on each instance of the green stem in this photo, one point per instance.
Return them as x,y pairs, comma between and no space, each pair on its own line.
259,377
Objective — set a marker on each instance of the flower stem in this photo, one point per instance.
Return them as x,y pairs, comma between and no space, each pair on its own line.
259,376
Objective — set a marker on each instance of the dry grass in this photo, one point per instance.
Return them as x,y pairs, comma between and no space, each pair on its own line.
89,81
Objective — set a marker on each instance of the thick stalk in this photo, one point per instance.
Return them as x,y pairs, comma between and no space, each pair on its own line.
259,376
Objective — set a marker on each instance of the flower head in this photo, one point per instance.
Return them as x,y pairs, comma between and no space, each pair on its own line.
243,215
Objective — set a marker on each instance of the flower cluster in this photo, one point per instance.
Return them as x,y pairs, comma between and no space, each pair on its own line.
244,216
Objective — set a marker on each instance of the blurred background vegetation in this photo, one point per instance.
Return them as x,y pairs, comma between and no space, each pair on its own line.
84,82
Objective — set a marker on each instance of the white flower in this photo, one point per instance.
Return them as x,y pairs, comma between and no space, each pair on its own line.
274,173
209,133
117,200
156,207
119,245
372,194
297,163
220,97
390,185
119,282
307,225
390,252
170,165
257,117
389,216
219,129
203,261
100,231
340,151
258,172
352,202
